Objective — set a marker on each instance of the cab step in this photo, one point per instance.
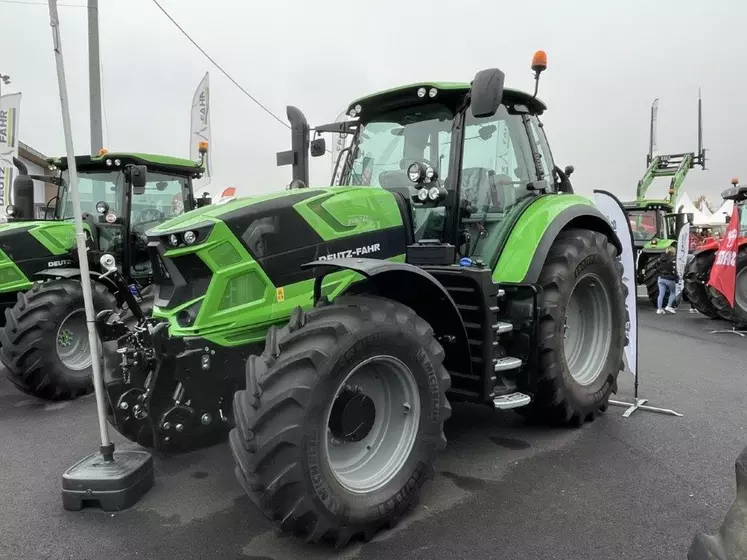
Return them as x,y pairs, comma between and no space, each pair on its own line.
507,363
512,400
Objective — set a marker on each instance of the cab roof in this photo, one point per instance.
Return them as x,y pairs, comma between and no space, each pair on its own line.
154,162
534,104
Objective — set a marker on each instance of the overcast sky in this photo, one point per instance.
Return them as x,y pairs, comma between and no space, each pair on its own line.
607,61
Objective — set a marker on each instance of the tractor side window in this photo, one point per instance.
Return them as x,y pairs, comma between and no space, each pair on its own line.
93,187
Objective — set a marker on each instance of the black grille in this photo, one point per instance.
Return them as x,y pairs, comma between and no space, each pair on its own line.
178,279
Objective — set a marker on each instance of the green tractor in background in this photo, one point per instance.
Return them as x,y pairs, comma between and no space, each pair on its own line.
330,328
43,336
656,223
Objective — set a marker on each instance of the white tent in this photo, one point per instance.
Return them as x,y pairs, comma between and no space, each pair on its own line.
719,216
686,206
705,210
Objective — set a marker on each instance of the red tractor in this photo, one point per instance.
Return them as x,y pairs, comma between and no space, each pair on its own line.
705,299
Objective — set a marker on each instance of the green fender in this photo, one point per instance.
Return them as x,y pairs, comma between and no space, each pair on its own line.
659,246
531,237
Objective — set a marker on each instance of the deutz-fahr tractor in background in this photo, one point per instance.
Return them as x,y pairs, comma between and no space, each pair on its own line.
331,328
45,347
657,223
707,300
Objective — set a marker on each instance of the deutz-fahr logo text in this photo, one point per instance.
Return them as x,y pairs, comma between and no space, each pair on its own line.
54,264
357,252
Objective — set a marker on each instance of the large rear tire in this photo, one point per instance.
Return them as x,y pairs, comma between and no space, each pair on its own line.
696,276
45,345
737,314
325,470
582,329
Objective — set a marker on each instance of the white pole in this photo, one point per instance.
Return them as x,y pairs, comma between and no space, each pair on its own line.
80,236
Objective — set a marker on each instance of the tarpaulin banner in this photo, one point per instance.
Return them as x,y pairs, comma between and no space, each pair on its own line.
200,129
609,205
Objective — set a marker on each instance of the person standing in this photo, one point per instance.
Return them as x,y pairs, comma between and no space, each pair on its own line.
666,268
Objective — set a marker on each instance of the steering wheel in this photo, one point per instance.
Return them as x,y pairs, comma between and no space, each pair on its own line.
148,215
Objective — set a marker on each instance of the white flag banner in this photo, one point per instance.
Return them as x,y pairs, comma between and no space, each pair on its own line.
683,249
609,205
200,129
10,108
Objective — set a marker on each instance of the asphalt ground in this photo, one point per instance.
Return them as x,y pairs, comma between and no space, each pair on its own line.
631,488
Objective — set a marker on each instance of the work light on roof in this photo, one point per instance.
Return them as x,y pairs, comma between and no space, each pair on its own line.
117,162
421,92
109,162
432,92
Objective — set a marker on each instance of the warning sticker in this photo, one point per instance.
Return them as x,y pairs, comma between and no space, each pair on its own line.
280,294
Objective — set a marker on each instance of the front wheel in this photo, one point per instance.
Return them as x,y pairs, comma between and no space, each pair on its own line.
582,329
651,279
696,276
341,418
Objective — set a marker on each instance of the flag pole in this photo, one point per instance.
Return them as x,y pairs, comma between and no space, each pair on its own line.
114,481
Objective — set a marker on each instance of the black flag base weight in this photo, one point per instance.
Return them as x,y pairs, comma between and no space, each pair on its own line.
111,480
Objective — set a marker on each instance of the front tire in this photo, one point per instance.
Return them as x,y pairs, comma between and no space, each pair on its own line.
303,456
45,345
582,329
651,279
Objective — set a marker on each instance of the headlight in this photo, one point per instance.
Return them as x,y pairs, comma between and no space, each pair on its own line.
102,207
10,210
174,240
432,92
423,194
433,193
429,172
117,162
421,92
190,237
108,162
415,172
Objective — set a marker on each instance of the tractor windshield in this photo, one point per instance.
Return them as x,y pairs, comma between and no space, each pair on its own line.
495,161
643,223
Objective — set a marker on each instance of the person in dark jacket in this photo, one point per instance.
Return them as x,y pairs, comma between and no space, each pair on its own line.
666,268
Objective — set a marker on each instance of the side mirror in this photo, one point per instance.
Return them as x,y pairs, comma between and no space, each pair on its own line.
204,201
318,147
486,92
138,177
569,169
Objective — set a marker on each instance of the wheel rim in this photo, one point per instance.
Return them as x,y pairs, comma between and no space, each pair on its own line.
73,347
740,289
587,334
372,424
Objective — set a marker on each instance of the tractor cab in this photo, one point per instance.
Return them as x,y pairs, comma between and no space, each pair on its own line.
465,159
121,196
653,220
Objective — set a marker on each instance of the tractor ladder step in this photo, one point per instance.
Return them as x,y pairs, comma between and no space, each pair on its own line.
512,400
506,364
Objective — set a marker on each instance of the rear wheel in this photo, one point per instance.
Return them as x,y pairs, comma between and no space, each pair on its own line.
582,329
45,344
341,418
696,276
737,314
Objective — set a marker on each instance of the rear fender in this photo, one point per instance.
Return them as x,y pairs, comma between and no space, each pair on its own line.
411,286
529,243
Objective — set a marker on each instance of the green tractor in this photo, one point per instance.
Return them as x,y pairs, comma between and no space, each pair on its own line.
331,328
43,336
656,223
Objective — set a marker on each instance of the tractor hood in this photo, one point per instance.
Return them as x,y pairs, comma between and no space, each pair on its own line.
215,264
29,247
